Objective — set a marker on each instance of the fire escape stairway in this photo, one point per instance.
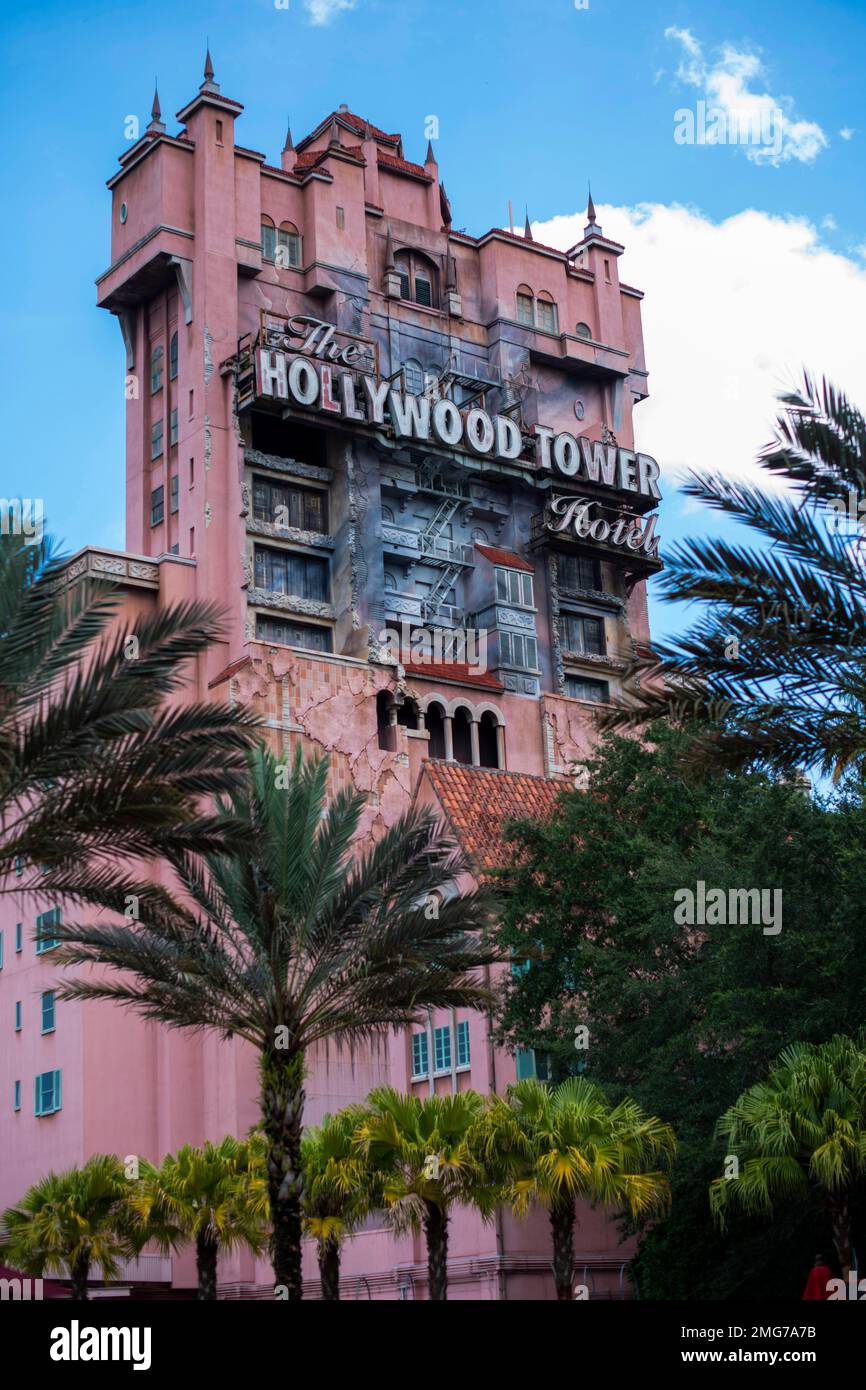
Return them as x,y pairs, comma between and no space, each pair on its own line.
437,549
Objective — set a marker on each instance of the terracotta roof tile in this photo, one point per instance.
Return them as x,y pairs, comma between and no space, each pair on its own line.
457,671
403,166
509,558
477,801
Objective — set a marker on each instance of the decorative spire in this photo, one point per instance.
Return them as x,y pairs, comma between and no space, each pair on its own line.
289,145
208,85
156,126
368,131
430,157
444,205
592,227
451,276
389,250
527,230
335,132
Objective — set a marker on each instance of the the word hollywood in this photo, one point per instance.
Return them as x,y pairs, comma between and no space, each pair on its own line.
77,1343
761,124
712,907
310,378
423,646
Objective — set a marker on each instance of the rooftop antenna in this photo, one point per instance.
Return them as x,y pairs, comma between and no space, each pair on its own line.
510,216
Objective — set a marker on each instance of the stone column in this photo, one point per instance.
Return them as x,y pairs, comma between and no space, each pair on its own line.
449,739
474,743
500,745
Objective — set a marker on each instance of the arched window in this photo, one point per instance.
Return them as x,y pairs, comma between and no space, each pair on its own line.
172,357
435,721
407,714
460,727
288,251
488,740
545,313
269,239
385,729
583,330
418,278
525,306
413,377
156,359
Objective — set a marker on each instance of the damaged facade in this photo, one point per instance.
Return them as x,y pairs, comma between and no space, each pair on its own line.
347,420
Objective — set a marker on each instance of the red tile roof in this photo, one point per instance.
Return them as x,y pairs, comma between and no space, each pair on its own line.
403,166
508,558
457,671
476,802
357,123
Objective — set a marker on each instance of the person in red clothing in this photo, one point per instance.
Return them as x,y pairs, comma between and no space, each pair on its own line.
819,1276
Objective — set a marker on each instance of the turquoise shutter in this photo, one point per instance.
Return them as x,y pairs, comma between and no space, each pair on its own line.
57,1096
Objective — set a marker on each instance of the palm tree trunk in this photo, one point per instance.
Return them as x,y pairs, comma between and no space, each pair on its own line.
206,1253
78,1272
840,1220
436,1231
282,1101
562,1220
329,1269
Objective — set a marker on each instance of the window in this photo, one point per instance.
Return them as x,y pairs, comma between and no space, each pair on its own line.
48,1011
413,377
219,132
607,271
341,219
156,358
532,1064
192,472
525,309
172,427
173,490
418,279
463,1043
157,506
442,1049
17,1015
16,1095
48,1093
288,247
191,402
420,1056
286,572
289,634
19,930
156,440
269,239
579,689
583,330
576,572
582,634
19,866
514,586
172,357
283,504
45,941
545,314
515,649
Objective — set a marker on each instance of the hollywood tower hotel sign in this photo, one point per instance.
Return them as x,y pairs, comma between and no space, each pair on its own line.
352,416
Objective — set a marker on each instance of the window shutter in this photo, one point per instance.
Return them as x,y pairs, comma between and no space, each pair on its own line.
57,1078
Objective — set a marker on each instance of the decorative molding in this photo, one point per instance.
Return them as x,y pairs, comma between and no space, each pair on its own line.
290,603
255,458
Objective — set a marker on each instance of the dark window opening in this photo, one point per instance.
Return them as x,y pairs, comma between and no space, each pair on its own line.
576,572
289,634
461,726
418,279
272,435
579,633
407,714
285,504
598,692
172,357
387,736
157,506
287,572
488,743
435,721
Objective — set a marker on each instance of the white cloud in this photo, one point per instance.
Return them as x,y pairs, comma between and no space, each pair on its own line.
727,85
847,132
322,12
829,223
733,312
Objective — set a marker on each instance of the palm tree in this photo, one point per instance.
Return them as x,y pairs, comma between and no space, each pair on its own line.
772,672
553,1145
294,943
801,1132
69,1221
201,1195
425,1152
340,1190
83,716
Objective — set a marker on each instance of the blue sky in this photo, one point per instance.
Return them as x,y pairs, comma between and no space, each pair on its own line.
533,99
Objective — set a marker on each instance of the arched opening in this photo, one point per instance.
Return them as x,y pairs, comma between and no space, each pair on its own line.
386,731
545,313
407,714
288,248
413,376
462,736
435,721
488,743
269,238
583,330
419,280
525,306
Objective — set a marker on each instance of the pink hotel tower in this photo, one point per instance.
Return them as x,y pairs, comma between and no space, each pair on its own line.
347,421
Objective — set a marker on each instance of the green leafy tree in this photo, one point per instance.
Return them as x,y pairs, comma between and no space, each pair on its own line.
771,672
684,1018
801,1131
68,1222
340,1190
96,766
293,942
424,1148
203,1195
558,1144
